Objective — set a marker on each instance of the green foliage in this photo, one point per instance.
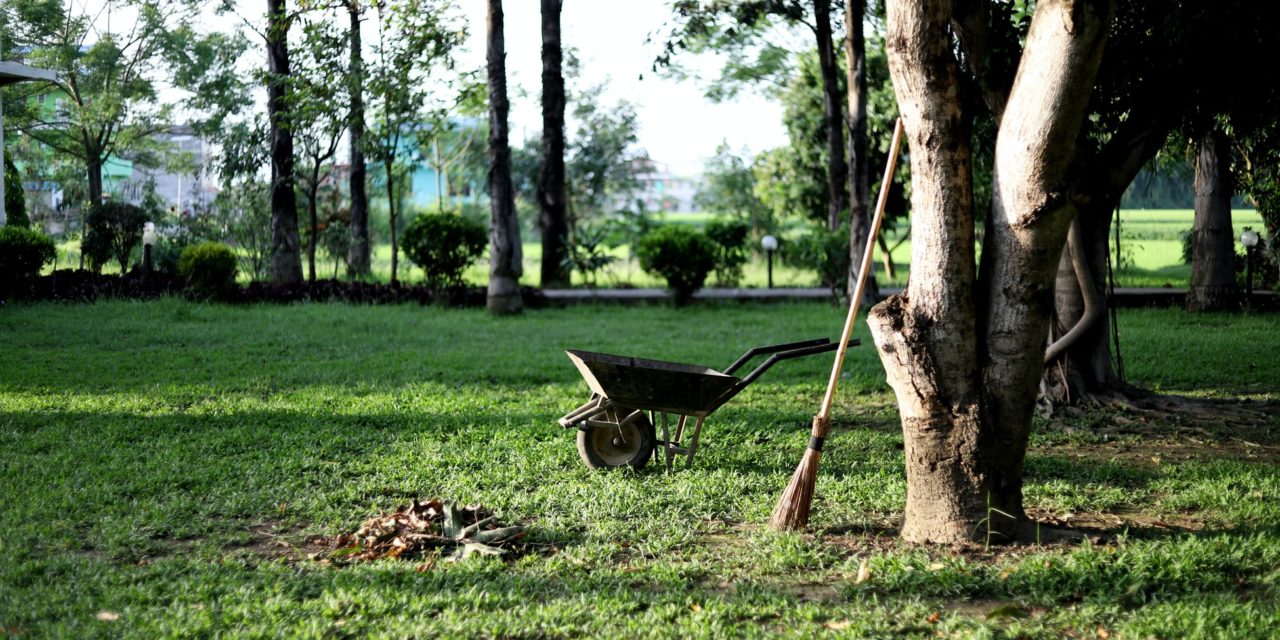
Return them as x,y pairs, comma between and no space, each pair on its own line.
602,160
23,252
444,245
729,188
209,269
731,251
15,200
681,255
823,252
588,252
113,230
245,210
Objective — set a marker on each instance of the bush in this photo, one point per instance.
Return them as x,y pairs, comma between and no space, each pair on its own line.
826,253
15,200
587,253
23,253
730,238
681,255
209,269
112,229
443,245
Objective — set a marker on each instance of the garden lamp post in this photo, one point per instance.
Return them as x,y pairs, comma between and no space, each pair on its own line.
148,239
1248,238
769,244
11,72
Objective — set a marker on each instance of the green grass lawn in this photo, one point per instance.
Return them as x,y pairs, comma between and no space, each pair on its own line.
166,462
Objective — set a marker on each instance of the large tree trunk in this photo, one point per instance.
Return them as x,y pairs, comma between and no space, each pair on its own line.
965,372
1213,272
504,229
551,194
836,171
855,48
358,255
286,250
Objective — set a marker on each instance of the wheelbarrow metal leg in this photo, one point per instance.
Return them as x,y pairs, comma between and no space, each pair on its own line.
693,442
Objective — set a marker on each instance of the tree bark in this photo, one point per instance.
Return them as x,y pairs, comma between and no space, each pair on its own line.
1213,272
965,371
358,255
286,250
93,169
855,47
1088,368
551,191
313,222
836,167
504,230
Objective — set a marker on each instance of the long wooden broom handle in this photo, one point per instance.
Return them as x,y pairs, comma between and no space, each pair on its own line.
856,298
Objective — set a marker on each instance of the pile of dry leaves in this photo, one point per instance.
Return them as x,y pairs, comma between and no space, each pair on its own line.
428,528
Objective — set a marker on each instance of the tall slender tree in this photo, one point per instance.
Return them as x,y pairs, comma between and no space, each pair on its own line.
855,50
286,247
504,230
359,254
1213,268
552,216
837,171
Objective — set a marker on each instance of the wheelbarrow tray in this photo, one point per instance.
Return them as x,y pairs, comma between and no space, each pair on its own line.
653,385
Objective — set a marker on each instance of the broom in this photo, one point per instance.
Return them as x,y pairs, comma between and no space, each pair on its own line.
792,511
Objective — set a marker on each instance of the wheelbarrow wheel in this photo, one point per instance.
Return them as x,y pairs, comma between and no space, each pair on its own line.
612,447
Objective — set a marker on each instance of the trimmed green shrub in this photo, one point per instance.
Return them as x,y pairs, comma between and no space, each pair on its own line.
730,238
209,269
23,252
15,201
444,245
681,255
112,230
823,252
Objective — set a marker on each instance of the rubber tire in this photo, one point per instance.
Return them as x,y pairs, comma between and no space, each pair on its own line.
639,456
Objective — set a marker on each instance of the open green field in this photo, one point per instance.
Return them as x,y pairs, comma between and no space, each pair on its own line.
1150,244
164,464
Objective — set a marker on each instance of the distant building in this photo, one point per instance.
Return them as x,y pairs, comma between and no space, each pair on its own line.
662,190
184,190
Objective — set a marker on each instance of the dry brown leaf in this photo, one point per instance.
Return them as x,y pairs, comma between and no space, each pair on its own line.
107,616
1103,633
864,573
838,625
933,618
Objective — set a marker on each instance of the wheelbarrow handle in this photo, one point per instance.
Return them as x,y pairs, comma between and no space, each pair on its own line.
756,351
789,354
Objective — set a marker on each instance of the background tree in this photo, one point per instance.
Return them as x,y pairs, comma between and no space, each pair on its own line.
286,249
733,27
318,115
359,253
728,188
107,92
553,217
504,230
409,82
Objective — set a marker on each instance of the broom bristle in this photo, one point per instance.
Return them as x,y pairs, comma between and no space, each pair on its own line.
792,511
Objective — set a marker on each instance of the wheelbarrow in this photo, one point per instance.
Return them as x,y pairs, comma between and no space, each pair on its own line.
629,396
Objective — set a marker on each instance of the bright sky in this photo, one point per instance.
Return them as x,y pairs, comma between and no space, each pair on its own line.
677,125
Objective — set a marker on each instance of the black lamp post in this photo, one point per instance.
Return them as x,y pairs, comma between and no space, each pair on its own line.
1248,238
770,244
